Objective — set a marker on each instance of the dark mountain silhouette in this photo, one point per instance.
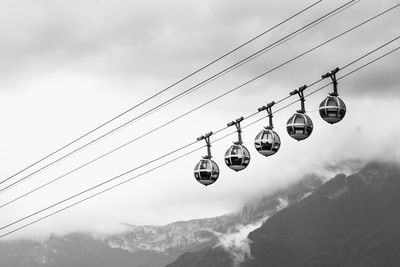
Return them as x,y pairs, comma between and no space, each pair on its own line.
349,221
152,246
208,257
220,255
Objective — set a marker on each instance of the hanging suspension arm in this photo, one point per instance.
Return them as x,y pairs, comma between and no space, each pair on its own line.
332,75
206,137
300,92
268,108
238,128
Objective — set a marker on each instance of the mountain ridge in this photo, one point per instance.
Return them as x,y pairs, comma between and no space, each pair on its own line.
153,246
348,221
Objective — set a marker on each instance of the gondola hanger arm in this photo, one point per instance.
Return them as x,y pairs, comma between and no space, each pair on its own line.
332,75
268,108
206,137
300,93
238,129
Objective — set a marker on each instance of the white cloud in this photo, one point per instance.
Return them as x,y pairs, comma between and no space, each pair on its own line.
237,243
67,67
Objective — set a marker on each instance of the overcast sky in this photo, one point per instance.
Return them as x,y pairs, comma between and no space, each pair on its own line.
68,66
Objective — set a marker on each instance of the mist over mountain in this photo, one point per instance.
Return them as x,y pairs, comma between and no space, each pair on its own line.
349,221
346,221
153,246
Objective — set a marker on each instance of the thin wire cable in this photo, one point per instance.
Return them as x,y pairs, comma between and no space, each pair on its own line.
164,90
129,142
277,102
163,164
362,66
371,52
340,78
276,44
103,183
262,53
219,74
59,159
101,192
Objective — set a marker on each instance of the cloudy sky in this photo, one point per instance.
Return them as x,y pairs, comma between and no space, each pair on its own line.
68,66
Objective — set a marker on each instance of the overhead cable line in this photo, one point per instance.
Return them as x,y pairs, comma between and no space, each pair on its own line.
280,42
208,102
46,166
163,164
163,90
340,78
213,77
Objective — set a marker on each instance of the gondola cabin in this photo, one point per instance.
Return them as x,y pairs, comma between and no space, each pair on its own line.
299,126
206,171
267,142
332,109
237,157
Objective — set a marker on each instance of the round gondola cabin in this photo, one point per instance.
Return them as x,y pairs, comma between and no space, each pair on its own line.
237,157
332,109
267,142
299,126
206,171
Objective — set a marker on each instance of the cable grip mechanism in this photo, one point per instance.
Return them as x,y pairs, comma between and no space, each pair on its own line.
238,128
268,108
332,75
206,137
300,92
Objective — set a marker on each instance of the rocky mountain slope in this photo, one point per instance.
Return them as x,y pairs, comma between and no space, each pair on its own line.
348,221
153,246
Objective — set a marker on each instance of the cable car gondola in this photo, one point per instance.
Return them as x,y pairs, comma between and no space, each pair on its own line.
206,170
237,157
267,142
332,109
299,126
